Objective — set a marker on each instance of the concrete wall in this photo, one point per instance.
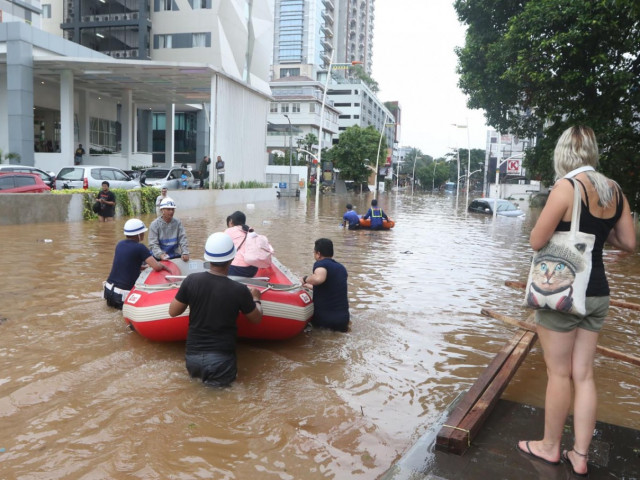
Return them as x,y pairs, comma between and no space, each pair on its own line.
21,208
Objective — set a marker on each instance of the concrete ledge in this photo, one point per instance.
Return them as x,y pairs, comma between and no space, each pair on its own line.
21,208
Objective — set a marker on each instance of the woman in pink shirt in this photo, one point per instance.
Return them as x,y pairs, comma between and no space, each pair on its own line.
238,231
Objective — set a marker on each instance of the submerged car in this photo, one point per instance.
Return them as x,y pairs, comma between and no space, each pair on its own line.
168,178
92,176
20,182
486,205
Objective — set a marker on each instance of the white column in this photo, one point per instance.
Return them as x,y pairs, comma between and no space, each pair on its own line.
125,138
84,124
134,130
4,112
67,146
213,130
169,135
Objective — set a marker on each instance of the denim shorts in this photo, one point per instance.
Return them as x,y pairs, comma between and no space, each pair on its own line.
216,369
597,309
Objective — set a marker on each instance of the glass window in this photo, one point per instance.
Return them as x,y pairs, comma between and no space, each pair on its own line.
295,108
273,108
284,108
199,40
312,108
46,10
23,180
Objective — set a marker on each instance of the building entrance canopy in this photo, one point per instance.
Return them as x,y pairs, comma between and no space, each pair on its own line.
149,82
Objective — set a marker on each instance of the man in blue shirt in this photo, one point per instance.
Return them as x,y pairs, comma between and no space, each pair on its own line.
376,214
329,282
350,218
128,259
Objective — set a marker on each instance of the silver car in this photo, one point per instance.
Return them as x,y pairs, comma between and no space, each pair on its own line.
92,176
505,207
170,178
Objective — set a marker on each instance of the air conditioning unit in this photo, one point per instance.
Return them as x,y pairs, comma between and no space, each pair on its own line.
118,55
116,17
126,17
86,18
134,15
134,53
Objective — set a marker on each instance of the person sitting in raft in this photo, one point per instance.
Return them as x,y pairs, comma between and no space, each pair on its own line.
376,214
350,218
167,238
129,256
238,230
329,282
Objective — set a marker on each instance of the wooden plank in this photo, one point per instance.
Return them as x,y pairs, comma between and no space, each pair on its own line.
475,392
473,422
607,352
615,303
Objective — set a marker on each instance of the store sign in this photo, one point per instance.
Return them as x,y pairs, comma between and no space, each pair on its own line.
513,167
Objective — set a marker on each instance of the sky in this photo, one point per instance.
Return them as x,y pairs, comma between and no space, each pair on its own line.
414,63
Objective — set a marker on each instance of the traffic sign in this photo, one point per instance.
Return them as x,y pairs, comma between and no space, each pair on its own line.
513,167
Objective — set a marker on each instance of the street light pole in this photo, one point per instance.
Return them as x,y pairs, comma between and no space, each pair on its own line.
375,193
468,157
321,135
413,173
290,150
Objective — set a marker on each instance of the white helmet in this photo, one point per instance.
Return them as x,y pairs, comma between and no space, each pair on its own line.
219,248
167,203
134,226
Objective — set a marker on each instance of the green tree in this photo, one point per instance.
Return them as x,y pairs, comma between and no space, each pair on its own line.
356,149
309,141
359,72
538,67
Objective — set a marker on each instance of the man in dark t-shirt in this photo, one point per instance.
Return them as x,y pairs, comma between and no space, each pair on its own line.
107,201
129,257
214,302
329,282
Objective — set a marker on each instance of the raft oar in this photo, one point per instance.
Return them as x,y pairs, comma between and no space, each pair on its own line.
607,352
615,303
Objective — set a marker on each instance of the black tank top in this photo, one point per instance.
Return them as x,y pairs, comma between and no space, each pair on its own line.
600,227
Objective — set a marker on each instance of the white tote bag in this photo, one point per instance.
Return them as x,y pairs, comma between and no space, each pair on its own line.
560,270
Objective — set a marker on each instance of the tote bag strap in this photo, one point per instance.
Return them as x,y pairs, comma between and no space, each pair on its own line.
577,205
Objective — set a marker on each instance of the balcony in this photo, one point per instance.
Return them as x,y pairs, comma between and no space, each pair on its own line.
326,44
328,17
326,30
329,4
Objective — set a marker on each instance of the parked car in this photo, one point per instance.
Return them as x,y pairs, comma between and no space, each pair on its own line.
505,207
19,182
47,177
167,177
92,176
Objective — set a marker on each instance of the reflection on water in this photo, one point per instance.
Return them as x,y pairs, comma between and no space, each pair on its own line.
81,396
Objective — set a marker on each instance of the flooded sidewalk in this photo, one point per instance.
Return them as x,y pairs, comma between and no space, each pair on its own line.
614,452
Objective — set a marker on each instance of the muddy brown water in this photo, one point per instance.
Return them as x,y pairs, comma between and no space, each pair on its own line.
83,397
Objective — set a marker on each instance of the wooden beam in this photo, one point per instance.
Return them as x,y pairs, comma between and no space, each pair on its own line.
469,414
607,352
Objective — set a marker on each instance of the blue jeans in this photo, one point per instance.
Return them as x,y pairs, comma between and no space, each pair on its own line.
215,369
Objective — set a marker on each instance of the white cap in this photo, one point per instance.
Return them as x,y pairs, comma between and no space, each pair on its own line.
134,226
219,248
167,203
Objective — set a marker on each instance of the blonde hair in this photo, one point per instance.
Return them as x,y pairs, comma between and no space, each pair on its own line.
577,147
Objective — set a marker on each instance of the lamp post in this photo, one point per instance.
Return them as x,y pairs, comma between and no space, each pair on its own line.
320,136
290,150
468,157
375,193
413,173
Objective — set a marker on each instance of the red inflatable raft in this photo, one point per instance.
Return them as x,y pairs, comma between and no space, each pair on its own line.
386,224
286,306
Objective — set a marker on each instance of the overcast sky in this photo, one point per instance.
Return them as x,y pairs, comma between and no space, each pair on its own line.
414,63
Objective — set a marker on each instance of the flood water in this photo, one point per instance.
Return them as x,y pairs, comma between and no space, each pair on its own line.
83,397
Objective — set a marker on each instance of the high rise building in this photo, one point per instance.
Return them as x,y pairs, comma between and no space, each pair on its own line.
354,32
